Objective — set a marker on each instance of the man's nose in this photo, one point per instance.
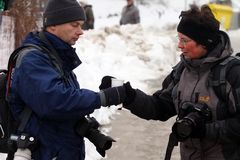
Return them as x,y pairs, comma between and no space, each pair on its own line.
80,30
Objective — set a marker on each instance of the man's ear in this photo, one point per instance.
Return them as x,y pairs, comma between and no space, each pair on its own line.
51,29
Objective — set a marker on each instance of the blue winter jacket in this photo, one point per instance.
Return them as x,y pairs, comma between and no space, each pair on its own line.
57,105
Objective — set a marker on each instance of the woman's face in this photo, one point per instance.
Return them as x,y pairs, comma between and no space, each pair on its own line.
190,48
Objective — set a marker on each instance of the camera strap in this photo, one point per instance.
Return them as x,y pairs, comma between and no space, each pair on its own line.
172,142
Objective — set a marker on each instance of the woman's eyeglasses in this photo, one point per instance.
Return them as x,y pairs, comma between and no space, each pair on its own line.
183,41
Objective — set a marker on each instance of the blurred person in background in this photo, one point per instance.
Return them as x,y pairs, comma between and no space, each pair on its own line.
5,5
8,4
89,22
130,14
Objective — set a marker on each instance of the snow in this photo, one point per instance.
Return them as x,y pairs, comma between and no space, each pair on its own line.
142,54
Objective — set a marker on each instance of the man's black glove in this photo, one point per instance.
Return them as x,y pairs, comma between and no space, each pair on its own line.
116,95
106,82
193,123
112,96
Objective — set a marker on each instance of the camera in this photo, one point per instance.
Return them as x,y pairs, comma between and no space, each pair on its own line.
21,144
88,127
190,115
21,141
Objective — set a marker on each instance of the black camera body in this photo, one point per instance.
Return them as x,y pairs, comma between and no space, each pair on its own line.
88,127
21,141
190,115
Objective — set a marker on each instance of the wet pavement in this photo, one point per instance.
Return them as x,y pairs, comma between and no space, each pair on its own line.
139,139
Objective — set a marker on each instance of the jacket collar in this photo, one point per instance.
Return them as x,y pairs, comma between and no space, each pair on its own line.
64,50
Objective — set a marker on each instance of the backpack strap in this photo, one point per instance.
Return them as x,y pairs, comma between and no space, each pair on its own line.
173,78
177,72
53,55
217,78
3,77
12,63
25,116
172,142
15,59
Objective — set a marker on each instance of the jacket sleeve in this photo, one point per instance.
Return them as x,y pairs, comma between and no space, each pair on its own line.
41,88
228,129
158,106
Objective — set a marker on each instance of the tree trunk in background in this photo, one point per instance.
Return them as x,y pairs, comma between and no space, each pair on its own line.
6,40
25,14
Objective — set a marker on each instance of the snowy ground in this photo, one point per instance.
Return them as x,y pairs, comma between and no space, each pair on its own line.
142,54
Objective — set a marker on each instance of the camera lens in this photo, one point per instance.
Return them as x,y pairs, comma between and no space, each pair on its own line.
100,140
89,128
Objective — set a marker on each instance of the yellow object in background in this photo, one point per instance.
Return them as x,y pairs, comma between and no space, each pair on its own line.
223,13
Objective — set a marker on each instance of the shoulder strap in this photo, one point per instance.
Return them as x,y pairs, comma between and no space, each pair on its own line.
172,142
173,78
26,113
25,116
217,77
177,71
12,63
53,55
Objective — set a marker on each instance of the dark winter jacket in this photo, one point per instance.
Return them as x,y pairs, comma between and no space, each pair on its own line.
222,139
89,23
130,15
57,105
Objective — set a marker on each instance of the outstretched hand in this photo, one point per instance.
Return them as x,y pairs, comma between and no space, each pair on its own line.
130,94
106,82
116,95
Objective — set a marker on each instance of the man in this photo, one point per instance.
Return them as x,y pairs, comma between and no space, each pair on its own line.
89,23
57,101
130,14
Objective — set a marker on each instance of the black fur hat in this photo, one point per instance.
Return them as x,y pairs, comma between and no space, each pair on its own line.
201,26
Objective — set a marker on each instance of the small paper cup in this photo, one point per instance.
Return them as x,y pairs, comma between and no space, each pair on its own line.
117,82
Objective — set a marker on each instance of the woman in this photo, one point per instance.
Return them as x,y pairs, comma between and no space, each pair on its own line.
206,127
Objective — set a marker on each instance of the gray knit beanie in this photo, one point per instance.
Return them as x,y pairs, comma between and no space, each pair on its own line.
62,11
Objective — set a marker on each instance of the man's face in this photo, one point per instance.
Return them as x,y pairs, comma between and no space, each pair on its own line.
129,2
68,32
